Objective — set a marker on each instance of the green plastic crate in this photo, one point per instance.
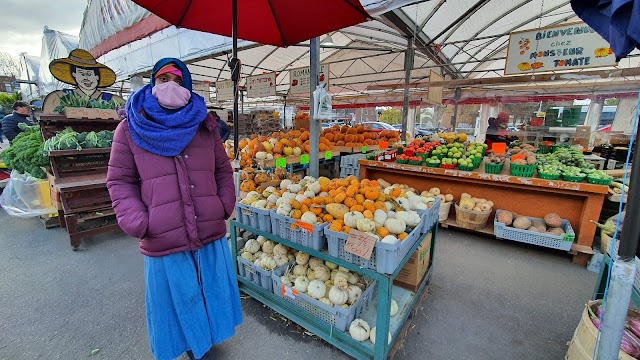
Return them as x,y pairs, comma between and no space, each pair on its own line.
522,170
466,168
548,176
599,181
493,168
402,161
415,162
573,178
544,149
476,162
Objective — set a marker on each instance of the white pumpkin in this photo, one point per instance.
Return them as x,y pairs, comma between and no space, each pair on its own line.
379,217
261,155
309,218
317,289
410,218
281,260
252,246
390,239
394,308
268,246
273,199
300,270
261,239
300,197
286,280
341,280
329,284
404,203
302,258
359,330
268,263
338,295
395,226
354,293
311,274
366,225
301,284
294,188
309,194
330,265
315,262
282,200
326,301
284,184
344,270
260,204
314,187
322,273
247,256
280,249
353,278
372,335
351,218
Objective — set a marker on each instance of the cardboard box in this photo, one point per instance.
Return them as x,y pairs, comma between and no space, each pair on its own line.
301,123
414,270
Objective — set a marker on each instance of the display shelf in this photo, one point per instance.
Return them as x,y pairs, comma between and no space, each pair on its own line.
601,283
385,290
451,223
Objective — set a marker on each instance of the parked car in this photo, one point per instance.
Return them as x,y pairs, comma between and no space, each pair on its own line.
379,126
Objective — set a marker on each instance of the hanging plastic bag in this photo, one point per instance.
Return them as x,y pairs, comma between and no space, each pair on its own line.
322,104
25,196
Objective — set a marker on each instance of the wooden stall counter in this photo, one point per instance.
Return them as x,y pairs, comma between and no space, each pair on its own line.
577,202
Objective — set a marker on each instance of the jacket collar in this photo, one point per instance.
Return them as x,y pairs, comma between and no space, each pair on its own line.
210,123
18,114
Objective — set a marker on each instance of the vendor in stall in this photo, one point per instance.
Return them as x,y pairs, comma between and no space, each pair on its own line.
497,130
81,70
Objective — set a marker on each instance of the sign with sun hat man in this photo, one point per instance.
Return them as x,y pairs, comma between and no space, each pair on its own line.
87,75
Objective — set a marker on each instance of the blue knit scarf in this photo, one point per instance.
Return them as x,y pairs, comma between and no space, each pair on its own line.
162,131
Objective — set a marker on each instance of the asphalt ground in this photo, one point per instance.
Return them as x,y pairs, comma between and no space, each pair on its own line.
488,299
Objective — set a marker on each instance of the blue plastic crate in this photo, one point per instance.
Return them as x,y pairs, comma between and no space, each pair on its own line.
251,216
429,216
335,315
385,258
563,242
259,276
281,226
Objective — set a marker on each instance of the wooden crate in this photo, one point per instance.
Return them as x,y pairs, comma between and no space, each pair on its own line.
72,163
91,114
51,124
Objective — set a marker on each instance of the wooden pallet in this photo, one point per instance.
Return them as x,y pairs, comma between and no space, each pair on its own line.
50,222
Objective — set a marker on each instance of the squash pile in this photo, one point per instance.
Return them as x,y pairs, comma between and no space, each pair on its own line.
387,212
324,281
251,179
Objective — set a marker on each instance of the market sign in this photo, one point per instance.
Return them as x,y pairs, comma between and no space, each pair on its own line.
263,85
299,79
556,48
203,89
224,90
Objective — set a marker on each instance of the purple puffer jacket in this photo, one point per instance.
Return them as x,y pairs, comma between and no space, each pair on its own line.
172,204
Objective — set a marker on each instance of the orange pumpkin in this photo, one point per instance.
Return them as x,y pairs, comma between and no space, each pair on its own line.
349,201
382,232
369,205
359,199
346,229
357,207
295,204
368,214
372,193
316,210
339,198
295,214
327,218
402,236
380,205
336,225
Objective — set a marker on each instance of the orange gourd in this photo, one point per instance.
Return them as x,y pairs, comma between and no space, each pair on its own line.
327,218
369,205
349,201
336,225
357,207
359,199
368,214
352,190
380,205
382,232
304,208
372,193
346,229
296,214
316,210
339,198
402,236
295,204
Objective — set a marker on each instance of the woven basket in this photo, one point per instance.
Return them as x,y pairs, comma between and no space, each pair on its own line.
443,212
584,338
472,220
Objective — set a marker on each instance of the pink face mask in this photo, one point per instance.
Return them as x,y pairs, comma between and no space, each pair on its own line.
170,95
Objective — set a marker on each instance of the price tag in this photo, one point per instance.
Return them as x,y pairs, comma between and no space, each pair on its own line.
305,226
328,155
304,159
359,243
499,148
281,162
518,157
383,145
289,292
249,269
364,149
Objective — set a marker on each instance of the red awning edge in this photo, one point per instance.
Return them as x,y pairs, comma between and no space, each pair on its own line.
145,27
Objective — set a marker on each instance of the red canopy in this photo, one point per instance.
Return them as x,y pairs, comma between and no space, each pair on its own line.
278,23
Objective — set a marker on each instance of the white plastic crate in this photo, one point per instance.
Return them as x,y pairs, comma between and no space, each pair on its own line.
281,226
344,172
430,216
257,275
251,216
351,161
535,238
385,258
335,315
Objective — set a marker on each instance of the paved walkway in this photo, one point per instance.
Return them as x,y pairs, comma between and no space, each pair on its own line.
488,299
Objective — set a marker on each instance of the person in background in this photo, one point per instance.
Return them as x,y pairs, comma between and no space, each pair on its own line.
224,129
172,187
492,133
21,112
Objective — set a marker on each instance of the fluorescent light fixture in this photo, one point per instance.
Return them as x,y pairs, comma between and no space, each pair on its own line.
327,40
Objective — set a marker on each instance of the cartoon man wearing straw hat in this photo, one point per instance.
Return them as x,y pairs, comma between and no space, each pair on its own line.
83,71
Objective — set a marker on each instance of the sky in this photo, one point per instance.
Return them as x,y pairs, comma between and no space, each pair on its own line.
22,22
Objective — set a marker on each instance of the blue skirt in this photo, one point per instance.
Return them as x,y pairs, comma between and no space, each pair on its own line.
192,299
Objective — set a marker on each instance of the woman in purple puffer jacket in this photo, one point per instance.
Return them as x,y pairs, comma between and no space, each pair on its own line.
172,187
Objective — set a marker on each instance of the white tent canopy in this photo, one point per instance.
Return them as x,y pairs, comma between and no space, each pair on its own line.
29,71
55,45
457,38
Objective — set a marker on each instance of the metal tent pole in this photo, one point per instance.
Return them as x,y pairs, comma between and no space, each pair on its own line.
622,272
314,124
234,65
408,65
454,119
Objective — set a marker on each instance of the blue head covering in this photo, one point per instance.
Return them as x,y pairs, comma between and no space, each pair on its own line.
164,131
